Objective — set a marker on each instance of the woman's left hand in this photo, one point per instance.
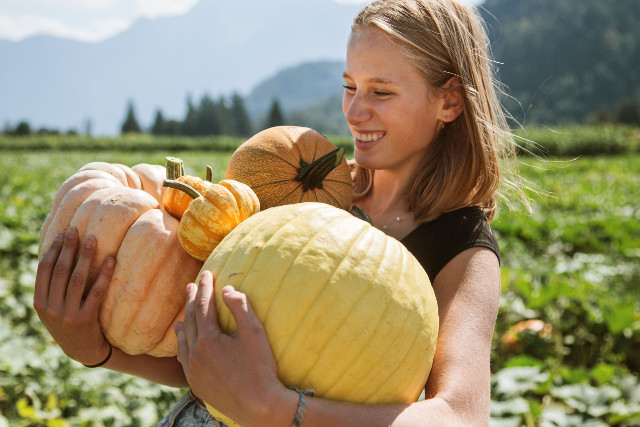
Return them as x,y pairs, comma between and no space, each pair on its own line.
237,373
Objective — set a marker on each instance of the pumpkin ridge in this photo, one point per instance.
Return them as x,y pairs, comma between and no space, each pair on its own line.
339,377
262,151
336,181
241,193
410,351
199,219
90,224
266,184
318,231
407,350
378,393
324,289
392,372
365,343
363,375
226,326
315,150
289,193
141,312
330,196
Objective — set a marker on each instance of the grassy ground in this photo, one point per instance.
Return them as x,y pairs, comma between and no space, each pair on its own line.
572,263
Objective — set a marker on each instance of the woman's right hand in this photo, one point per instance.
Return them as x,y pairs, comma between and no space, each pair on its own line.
71,320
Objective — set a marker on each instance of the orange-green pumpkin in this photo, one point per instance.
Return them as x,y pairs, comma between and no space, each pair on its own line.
348,310
292,164
148,288
210,216
177,202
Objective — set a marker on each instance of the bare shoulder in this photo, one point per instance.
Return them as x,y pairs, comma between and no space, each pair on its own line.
472,278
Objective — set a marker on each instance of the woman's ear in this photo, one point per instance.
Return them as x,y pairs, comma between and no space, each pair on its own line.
453,104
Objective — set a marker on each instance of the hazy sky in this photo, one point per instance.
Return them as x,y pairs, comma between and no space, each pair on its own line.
89,20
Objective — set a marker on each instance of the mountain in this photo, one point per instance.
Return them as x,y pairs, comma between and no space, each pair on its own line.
217,48
296,87
560,61
565,60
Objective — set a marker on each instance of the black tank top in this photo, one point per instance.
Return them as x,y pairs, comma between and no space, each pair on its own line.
437,242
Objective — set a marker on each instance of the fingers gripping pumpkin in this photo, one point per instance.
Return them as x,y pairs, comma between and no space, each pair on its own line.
147,290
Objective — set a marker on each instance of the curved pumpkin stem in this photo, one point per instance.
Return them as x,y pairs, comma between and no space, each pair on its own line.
182,187
175,167
312,174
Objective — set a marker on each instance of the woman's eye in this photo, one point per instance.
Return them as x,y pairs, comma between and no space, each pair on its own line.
349,89
381,93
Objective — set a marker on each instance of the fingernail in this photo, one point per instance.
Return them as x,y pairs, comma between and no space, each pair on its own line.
59,237
111,261
71,233
89,242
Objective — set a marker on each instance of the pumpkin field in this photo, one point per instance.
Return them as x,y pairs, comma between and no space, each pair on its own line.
571,268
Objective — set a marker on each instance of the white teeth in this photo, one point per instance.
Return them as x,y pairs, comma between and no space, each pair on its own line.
368,137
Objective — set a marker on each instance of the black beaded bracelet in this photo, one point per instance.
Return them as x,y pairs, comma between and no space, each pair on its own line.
97,365
302,405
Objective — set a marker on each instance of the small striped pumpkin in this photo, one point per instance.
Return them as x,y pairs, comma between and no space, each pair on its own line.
348,310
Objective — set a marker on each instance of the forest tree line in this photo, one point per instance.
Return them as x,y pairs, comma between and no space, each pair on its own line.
209,116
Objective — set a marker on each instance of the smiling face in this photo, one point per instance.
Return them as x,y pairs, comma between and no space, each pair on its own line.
391,110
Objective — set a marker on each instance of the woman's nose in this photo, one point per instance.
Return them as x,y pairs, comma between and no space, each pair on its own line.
356,109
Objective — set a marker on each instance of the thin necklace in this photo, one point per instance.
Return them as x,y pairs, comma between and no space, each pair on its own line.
384,226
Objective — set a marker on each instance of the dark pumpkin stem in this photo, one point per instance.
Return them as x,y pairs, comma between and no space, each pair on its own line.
312,174
182,187
175,167
209,174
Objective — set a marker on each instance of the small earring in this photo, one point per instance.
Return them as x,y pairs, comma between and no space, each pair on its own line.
442,125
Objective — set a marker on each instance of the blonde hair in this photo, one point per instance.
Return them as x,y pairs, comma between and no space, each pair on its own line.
442,39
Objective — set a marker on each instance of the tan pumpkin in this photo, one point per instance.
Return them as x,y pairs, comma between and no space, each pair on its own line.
348,310
147,291
213,214
292,164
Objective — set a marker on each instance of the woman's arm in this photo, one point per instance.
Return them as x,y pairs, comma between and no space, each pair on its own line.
248,391
73,322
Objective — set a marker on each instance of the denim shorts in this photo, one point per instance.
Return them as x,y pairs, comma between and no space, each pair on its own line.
188,412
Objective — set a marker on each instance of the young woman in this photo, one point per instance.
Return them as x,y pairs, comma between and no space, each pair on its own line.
421,104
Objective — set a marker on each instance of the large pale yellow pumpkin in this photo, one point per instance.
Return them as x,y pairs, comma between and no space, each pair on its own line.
348,310
121,207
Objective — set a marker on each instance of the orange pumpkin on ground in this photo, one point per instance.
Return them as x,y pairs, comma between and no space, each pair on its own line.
531,336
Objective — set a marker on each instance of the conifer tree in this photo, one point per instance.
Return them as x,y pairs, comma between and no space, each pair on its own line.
190,123
130,124
275,116
208,122
158,127
240,116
